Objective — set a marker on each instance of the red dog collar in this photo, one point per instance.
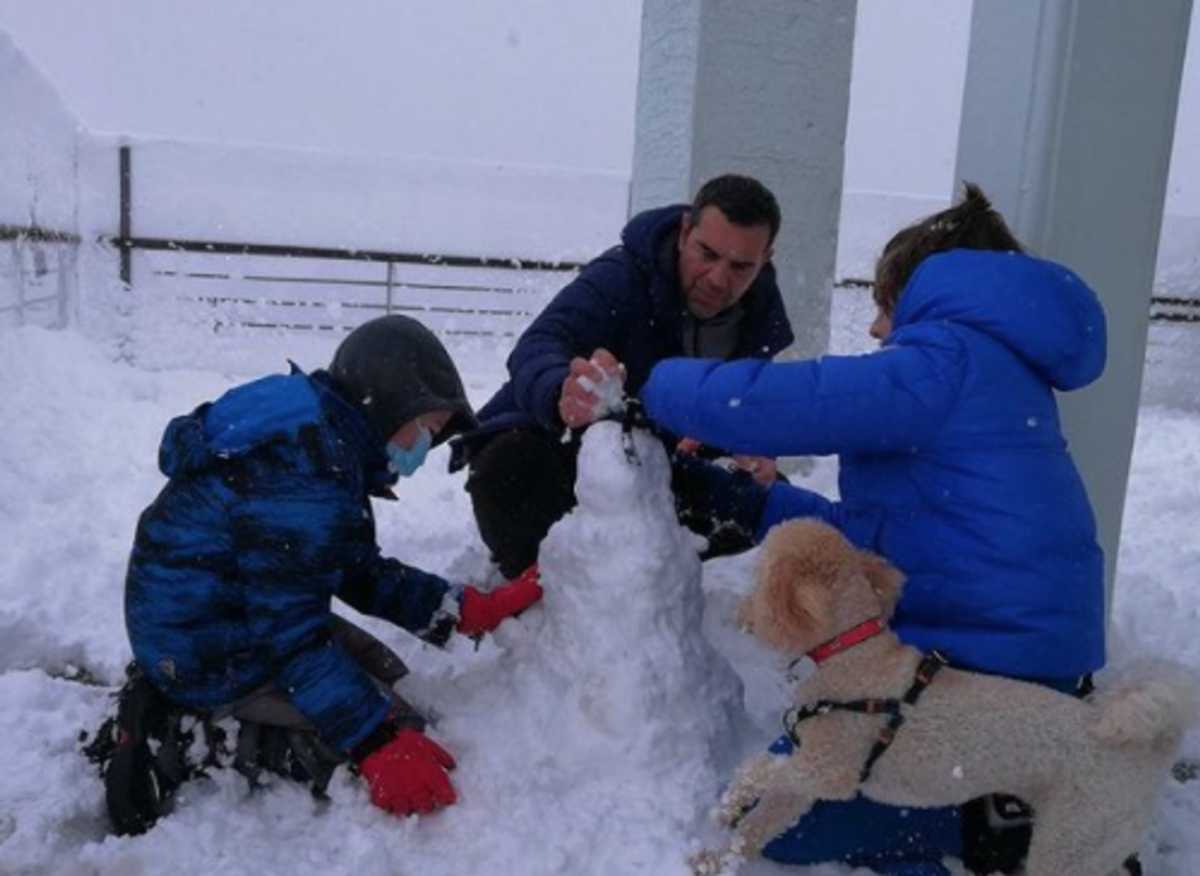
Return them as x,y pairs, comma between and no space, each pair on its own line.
848,639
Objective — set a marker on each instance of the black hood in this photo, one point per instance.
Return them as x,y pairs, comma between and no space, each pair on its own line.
396,369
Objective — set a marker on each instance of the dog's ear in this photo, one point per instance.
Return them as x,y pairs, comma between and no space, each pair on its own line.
782,612
886,580
800,567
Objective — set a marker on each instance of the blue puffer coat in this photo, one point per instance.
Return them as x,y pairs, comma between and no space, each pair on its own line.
953,465
264,520
627,301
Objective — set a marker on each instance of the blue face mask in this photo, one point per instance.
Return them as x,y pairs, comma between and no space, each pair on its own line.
405,462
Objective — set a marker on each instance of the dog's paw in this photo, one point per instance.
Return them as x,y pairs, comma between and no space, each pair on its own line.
773,814
730,813
735,803
713,863
743,794
754,830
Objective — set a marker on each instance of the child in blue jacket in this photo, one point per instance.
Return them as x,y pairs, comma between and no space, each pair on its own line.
266,518
953,465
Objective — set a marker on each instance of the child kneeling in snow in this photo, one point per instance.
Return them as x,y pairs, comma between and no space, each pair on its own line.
265,518
952,466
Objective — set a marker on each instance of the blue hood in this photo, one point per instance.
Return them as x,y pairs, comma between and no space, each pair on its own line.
644,234
271,408
1040,310
274,409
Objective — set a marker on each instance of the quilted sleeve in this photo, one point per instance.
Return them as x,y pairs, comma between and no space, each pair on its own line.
892,400
585,315
290,534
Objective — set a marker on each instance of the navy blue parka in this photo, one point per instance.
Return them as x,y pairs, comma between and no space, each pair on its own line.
264,520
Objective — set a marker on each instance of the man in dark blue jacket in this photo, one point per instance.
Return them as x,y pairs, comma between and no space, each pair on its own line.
686,280
265,518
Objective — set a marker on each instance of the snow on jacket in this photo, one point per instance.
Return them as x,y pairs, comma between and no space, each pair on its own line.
264,520
953,464
627,301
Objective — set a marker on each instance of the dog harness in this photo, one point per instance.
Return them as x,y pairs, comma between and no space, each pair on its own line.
926,670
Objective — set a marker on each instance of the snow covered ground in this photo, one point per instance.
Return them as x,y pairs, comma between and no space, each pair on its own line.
591,733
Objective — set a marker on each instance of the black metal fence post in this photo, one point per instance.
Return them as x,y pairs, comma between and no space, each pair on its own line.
391,273
126,218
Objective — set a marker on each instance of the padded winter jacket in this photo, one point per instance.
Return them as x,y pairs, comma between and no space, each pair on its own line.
627,301
952,461
264,520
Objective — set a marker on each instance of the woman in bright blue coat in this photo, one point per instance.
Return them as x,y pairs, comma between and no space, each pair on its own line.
953,464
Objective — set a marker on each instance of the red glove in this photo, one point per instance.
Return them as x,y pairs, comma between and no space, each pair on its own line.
408,774
482,612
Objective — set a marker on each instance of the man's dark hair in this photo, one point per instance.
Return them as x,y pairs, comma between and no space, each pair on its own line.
969,224
744,201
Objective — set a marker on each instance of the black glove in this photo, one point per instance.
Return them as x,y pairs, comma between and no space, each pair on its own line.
723,506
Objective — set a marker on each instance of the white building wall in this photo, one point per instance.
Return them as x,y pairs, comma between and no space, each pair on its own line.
37,147
539,82
1179,248
38,196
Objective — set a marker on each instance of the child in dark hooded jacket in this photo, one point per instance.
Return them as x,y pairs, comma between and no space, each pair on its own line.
952,465
266,518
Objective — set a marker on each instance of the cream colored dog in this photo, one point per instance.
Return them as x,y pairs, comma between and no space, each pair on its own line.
1090,769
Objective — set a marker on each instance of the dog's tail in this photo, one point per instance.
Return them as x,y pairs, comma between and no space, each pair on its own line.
1153,710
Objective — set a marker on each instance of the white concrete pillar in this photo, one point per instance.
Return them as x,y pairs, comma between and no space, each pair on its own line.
1068,118
761,89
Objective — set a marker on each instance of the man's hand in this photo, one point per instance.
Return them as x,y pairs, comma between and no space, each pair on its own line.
762,468
593,386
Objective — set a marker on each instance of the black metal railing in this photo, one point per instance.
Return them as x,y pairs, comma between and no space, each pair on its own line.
36,234
215,247
40,288
275,285
304,288
1172,308
1162,308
